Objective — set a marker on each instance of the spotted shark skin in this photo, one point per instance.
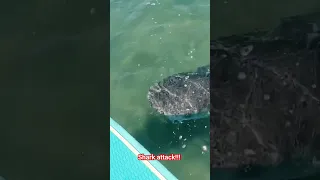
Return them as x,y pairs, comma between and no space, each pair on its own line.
182,96
267,118
270,118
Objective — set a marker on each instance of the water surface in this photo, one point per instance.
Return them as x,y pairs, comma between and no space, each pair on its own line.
149,41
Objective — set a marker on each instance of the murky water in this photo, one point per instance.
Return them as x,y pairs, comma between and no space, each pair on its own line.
149,41
233,16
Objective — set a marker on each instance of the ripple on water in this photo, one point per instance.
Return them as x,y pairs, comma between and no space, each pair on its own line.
151,41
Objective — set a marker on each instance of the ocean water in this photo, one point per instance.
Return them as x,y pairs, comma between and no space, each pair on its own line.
151,40
49,117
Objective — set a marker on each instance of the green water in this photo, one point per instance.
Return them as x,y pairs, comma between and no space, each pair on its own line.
153,39
149,41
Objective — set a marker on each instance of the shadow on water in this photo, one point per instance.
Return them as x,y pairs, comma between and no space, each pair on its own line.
161,136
